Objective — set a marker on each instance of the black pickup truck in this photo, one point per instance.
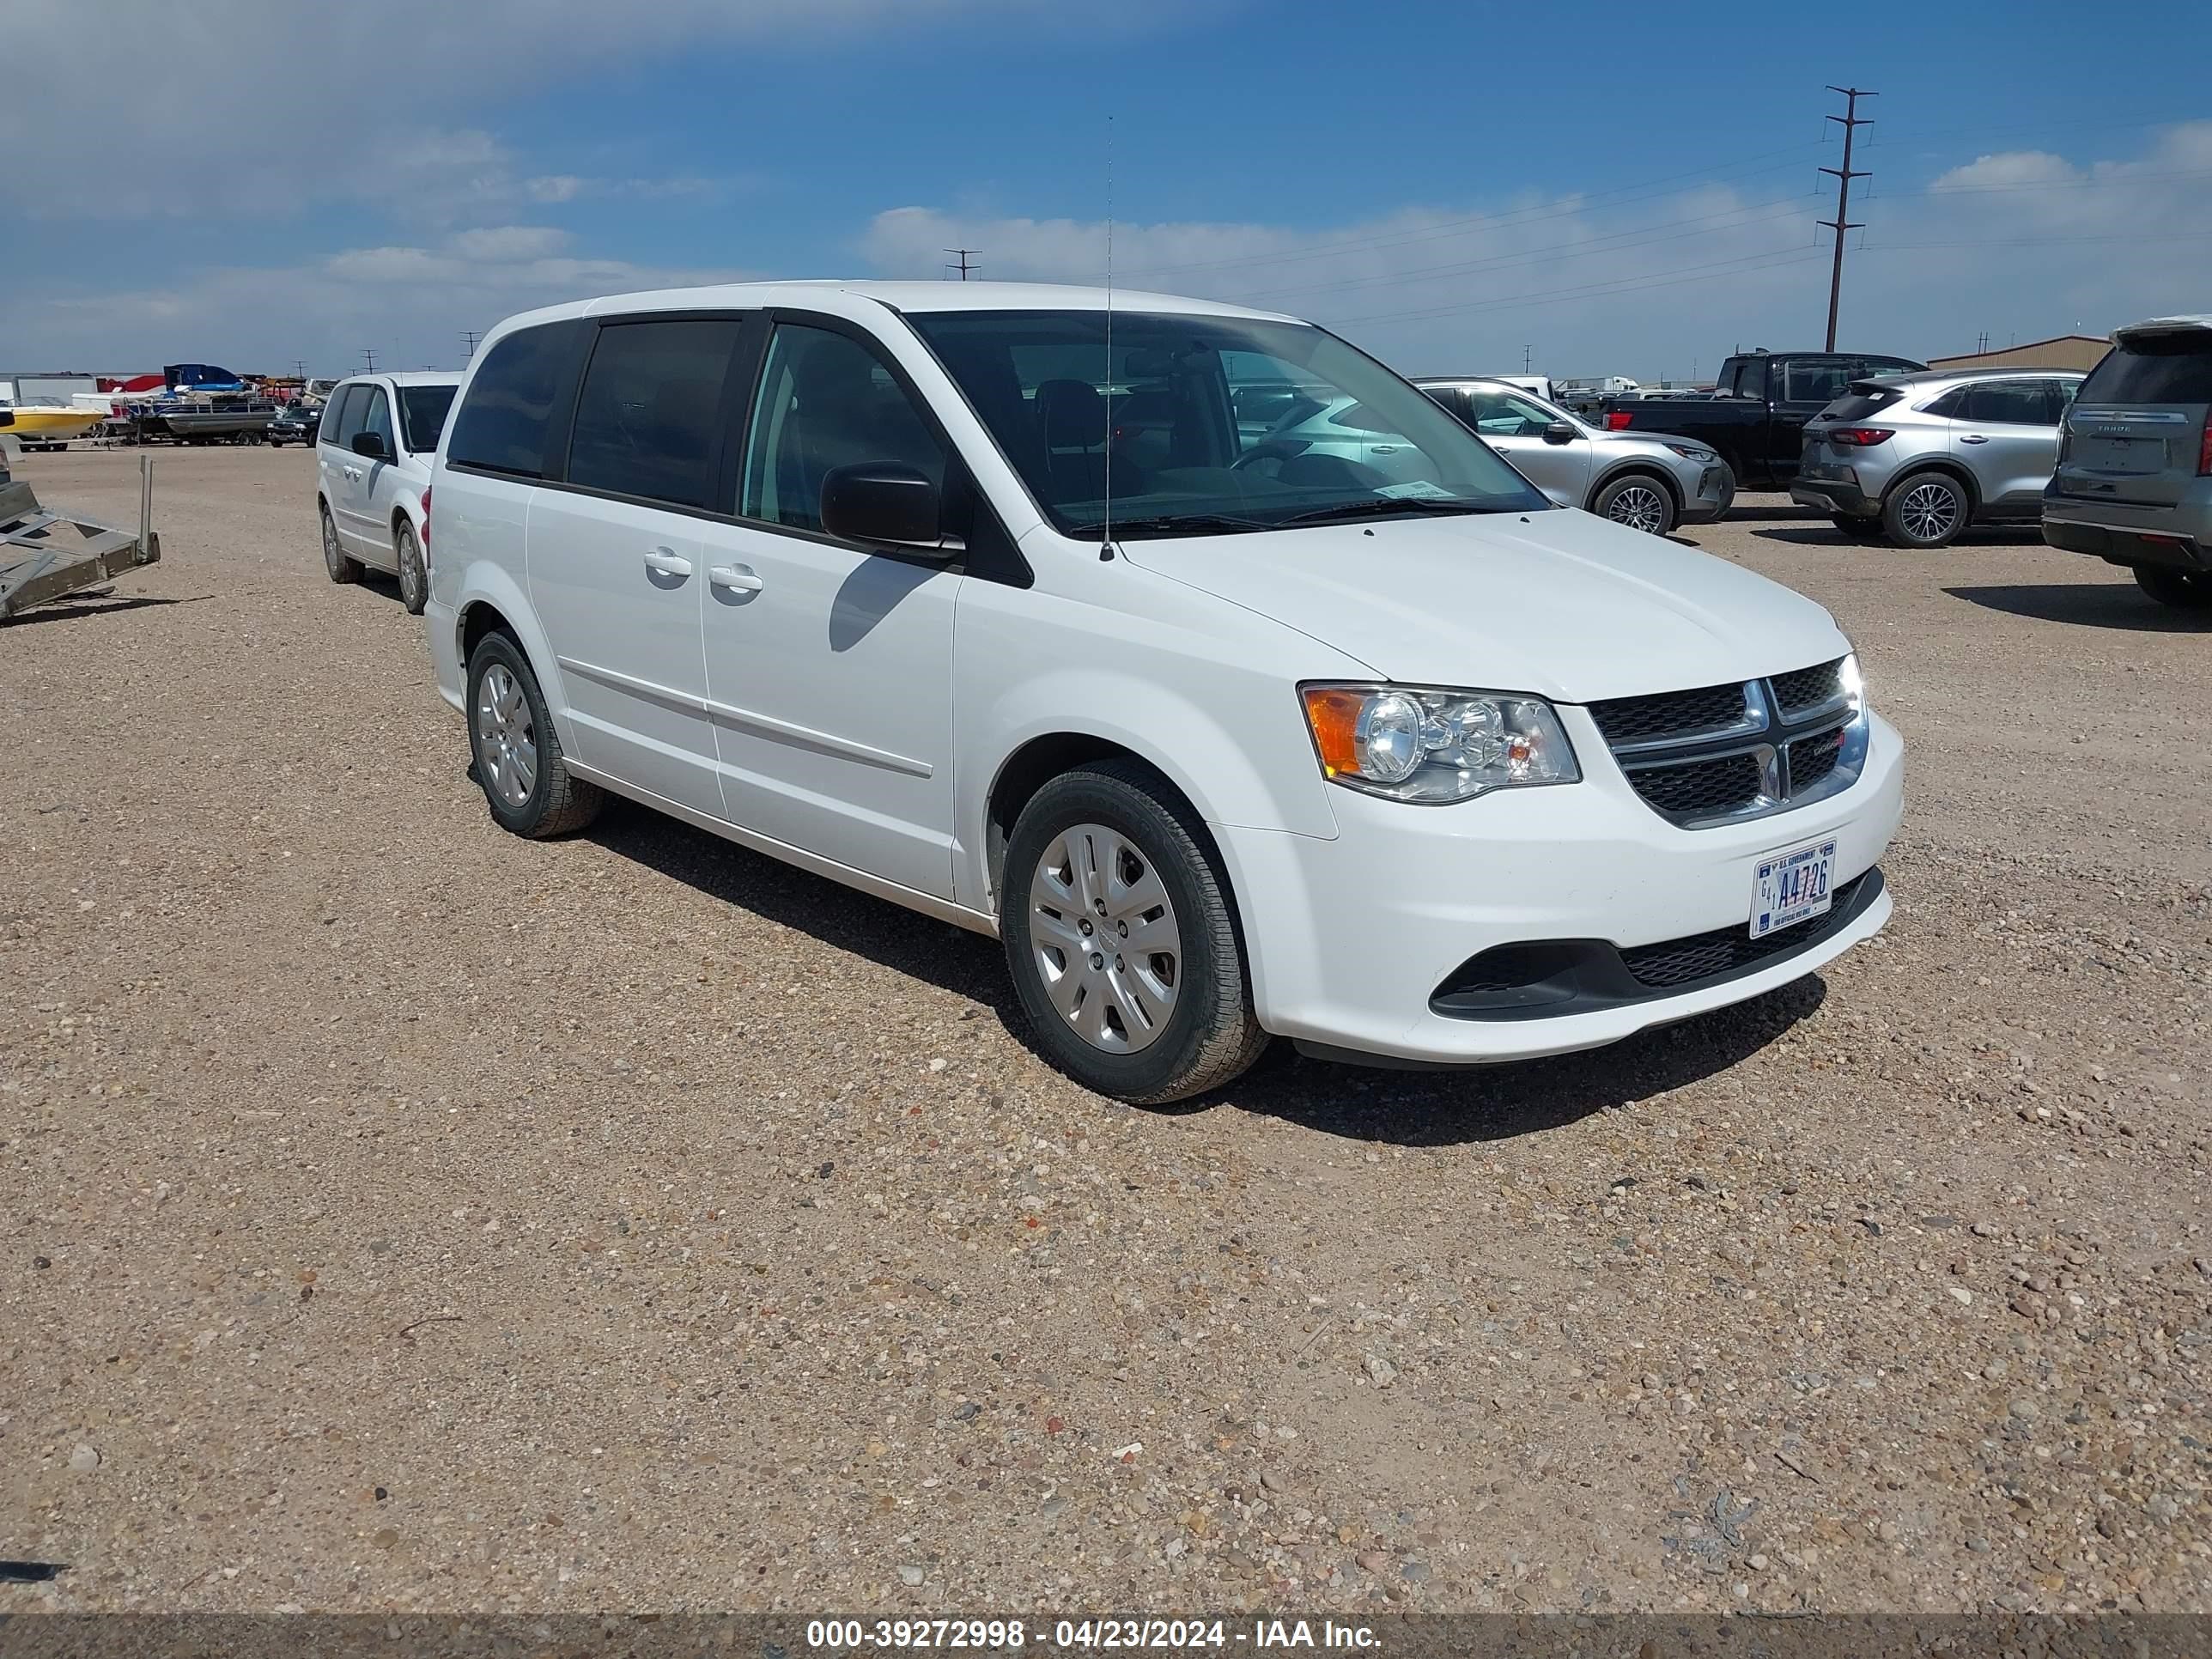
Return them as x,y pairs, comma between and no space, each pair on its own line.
1756,415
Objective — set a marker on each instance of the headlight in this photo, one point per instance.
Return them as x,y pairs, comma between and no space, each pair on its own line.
1433,744
1697,453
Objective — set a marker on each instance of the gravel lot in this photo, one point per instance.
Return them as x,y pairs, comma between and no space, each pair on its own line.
401,1215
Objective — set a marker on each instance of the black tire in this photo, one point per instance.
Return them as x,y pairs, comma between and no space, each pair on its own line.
2185,590
1209,1034
413,581
1856,528
558,803
1925,510
1638,500
342,565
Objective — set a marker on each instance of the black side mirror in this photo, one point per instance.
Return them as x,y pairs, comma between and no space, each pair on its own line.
1561,433
372,445
885,504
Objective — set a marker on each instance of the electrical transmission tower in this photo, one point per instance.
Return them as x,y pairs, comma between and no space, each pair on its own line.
1851,121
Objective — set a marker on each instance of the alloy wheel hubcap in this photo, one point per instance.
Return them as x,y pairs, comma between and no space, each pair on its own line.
1928,511
508,752
1103,933
1638,508
330,544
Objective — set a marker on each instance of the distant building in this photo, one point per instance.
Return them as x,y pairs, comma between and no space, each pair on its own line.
2066,352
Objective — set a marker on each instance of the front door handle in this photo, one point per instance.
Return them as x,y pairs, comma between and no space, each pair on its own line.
1973,438
738,578
667,563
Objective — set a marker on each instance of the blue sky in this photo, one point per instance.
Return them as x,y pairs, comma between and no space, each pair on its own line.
1618,188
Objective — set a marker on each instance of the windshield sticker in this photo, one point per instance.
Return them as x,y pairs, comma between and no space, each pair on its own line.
1417,489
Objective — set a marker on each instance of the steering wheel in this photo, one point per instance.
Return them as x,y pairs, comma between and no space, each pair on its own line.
1275,450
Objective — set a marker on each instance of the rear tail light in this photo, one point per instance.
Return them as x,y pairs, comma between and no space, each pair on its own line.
2204,448
1616,420
426,525
1860,437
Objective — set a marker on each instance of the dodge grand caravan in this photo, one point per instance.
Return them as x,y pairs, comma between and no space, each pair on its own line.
982,599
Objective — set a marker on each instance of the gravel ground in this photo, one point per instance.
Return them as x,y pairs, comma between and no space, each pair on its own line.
401,1215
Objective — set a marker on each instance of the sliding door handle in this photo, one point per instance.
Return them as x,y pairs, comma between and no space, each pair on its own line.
738,578
666,562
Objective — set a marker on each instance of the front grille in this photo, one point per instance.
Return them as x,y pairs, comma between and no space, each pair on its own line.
1809,689
1641,720
1700,789
1720,752
1731,949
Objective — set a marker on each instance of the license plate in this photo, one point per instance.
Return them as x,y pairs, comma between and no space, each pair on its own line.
2124,454
1791,887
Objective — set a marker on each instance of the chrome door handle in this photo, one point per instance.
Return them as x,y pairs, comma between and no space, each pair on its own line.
1973,438
738,578
667,563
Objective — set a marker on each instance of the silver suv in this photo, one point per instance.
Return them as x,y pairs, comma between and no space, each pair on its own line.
1645,480
1916,459
2133,484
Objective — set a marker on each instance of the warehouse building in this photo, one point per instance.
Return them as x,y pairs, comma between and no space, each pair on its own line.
2065,351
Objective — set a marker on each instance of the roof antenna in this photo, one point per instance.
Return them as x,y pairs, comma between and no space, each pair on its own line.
1106,507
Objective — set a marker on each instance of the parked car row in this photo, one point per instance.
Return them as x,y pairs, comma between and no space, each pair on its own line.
1235,686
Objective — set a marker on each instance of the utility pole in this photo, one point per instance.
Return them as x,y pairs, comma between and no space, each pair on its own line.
368,359
1528,356
1851,121
1982,343
468,338
300,367
966,266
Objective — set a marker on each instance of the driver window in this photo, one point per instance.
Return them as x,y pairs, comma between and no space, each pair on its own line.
378,417
826,401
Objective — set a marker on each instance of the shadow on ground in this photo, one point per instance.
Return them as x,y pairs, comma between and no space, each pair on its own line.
76,607
1409,1109
2086,604
1999,535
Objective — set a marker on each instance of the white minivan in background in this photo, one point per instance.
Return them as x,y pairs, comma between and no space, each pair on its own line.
373,456
926,587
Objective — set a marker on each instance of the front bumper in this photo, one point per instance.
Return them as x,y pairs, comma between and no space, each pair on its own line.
1714,488
1350,936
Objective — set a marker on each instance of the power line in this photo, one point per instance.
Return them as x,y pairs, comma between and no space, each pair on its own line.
965,266
1851,121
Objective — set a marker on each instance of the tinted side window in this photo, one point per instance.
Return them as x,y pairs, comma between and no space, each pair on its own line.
826,401
378,417
647,415
1952,405
351,403
2008,402
422,410
1751,378
502,425
1814,382
2161,372
2061,399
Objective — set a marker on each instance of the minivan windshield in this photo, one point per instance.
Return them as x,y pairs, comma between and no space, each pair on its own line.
1210,424
422,410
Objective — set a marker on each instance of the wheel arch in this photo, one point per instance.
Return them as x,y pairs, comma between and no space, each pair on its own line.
1639,466
490,601
1958,473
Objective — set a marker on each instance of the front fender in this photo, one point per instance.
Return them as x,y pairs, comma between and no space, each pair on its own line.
482,582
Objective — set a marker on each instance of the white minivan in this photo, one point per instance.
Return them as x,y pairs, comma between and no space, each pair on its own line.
373,456
982,599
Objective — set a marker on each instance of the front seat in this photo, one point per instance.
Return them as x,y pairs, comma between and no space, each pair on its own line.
1074,416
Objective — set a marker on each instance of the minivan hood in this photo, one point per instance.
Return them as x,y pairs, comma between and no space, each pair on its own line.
1564,603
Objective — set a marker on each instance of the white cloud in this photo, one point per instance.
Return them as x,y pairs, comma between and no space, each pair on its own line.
2019,244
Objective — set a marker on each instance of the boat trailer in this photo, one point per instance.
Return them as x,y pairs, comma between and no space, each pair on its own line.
46,555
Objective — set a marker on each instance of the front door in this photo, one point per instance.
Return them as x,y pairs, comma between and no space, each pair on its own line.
1514,426
368,480
616,569
829,666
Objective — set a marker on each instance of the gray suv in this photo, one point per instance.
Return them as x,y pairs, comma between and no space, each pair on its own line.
1916,459
2133,484
1645,480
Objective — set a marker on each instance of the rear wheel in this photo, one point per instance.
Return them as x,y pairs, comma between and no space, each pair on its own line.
1638,501
414,581
1120,939
2185,590
1929,510
343,567
518,763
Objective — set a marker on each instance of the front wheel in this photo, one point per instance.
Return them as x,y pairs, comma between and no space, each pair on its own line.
2185,590
1637,500
1120,941
1926,511
413,581
526,780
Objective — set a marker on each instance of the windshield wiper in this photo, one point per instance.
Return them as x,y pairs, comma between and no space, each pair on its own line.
1382,506
1170,522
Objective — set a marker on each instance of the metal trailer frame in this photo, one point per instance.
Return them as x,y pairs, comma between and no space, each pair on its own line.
46,555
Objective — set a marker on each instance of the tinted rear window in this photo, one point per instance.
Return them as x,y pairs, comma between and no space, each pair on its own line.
422,411
647,416
2176,370
1857,405
502,425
